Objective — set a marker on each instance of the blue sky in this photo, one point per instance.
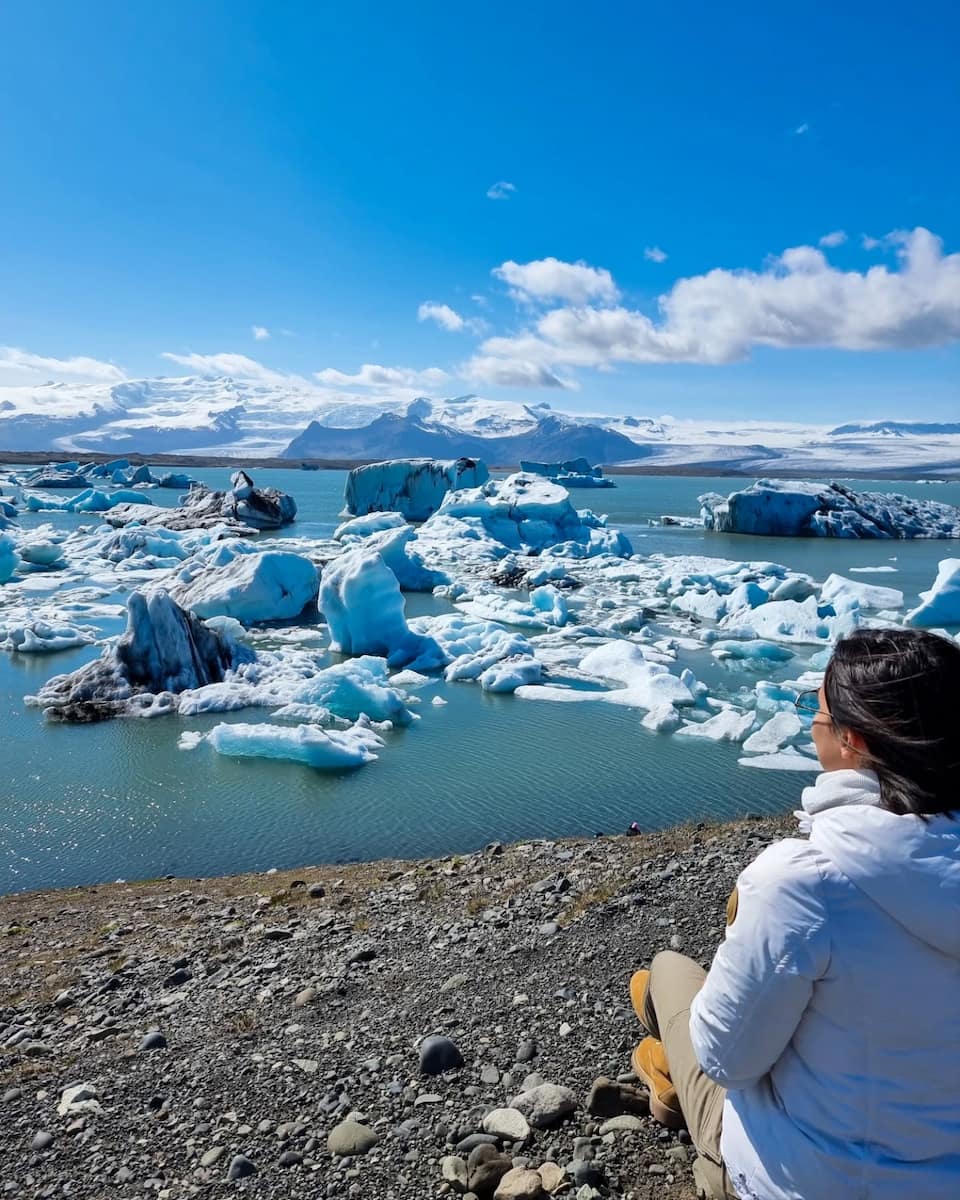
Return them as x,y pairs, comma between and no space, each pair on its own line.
176,175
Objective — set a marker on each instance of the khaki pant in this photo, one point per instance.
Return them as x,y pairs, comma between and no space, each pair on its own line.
674,981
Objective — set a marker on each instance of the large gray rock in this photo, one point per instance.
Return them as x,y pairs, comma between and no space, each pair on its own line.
350,1138
546,1105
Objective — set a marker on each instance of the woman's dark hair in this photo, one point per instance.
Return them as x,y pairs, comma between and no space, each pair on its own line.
899,689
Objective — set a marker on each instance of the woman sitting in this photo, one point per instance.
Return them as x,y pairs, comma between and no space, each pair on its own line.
819,1059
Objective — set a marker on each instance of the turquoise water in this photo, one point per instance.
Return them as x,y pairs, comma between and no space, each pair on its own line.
82,804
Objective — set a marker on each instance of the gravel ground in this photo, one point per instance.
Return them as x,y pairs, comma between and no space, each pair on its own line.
265,1033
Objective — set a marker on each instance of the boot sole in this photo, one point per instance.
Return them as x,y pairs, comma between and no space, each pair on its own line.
672,1118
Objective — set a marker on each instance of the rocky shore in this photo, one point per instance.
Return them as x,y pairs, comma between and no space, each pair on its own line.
384,1031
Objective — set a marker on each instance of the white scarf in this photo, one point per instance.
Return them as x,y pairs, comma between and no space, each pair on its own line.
833,789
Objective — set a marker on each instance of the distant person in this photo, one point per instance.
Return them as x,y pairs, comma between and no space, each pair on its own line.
820,1057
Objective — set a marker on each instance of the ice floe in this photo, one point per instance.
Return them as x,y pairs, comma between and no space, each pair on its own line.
327,750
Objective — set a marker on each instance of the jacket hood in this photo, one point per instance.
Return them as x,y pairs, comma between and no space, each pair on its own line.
908,867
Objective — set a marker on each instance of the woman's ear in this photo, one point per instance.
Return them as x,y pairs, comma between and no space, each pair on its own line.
853,748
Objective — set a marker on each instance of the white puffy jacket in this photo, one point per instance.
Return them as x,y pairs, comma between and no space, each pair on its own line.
831,1012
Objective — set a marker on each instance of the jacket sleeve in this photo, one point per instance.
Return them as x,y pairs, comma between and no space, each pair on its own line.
763,974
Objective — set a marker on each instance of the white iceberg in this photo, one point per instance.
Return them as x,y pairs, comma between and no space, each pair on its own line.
511,673
729,725
941,604
843,593
792,621
271,585
413,487
373,522
328,750
781,729
40,637
529,512
646,684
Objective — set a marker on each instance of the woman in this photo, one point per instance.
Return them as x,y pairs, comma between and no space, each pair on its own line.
820,1057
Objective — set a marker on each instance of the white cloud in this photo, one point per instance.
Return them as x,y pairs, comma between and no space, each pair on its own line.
443,314
553,279
797,300
502,190
21,362
802,129
237,365
870,243
655,254
837,238
260,333
371,375
510,372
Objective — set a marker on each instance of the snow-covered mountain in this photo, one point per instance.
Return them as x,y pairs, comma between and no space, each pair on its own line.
251,419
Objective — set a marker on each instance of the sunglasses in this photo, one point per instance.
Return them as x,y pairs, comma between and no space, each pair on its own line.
809,704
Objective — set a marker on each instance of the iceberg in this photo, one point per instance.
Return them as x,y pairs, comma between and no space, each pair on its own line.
164,651
374,522
782,728
782,508
789,621
9,558
328,750
245,508
729,725
270,585
941,604
413,487
361,601
528,512
843,593
575,473
40,637
396,547
511,673
357,688
88,501
647,685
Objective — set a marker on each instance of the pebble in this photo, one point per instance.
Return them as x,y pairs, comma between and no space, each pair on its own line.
350,1138
622,1124
454,1170
177,977
508,1124
41,1140
546,1105
307,996
438,1055
240,1167
290,1158
519,1183
552,1176
526,1051
212,1156
153,1041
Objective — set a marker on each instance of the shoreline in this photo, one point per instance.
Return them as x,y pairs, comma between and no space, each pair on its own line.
696,470
244,1018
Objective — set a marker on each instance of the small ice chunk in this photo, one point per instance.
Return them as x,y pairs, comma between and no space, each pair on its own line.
511,673
841,592
190,739
785,760
326,750
439,702
783,727
729,725
663,719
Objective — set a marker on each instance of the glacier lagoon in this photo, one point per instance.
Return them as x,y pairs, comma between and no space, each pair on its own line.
82,804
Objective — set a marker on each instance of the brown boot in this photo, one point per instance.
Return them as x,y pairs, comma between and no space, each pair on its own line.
639,982
650,1064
